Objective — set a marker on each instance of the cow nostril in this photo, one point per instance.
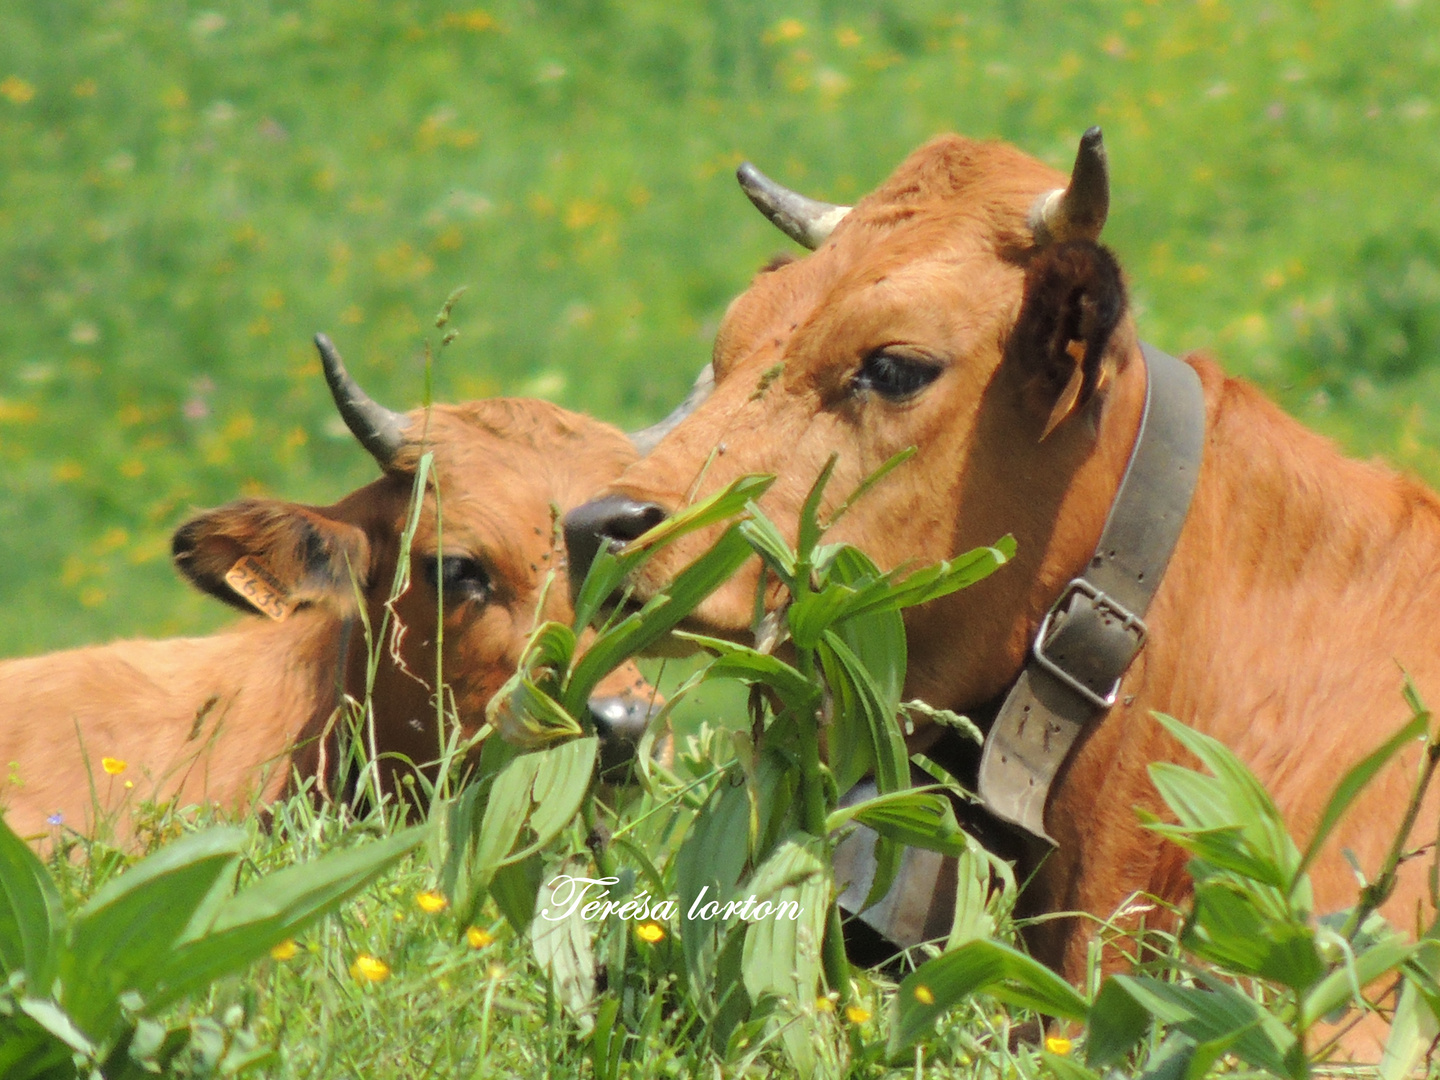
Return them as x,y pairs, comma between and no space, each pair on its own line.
612,520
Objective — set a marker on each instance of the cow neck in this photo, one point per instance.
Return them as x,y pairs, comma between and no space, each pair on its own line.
1095,629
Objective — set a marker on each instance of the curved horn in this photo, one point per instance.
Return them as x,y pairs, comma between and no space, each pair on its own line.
806,221
379,430
1076,212
646,439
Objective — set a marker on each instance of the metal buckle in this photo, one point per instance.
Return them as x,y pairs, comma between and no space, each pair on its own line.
1128,620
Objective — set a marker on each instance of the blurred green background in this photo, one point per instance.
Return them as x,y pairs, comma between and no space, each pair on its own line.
188,191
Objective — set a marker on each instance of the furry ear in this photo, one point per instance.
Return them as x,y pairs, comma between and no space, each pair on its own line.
1074,298
271,556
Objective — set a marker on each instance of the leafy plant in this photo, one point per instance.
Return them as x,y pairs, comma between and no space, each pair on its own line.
1262,971
739,863
81,993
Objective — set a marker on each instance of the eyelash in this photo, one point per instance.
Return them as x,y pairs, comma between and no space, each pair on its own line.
463,577
895,378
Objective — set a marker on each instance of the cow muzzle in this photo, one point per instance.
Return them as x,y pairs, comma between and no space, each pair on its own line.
621,720
612,522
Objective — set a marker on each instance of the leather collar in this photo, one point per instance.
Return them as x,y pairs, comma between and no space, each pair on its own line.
1096,627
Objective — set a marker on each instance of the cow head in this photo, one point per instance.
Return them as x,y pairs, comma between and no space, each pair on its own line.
504,470
965,308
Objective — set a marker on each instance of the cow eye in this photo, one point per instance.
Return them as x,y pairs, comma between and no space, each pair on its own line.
895,377
459,577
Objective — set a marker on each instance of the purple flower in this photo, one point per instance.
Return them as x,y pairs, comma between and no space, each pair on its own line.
56,818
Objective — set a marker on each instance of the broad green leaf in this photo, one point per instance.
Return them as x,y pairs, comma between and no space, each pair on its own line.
515,888
769,543
505,814
1064,1068
878,639
982,966
1216,1012
29,1051
657,618
57,1023
1340,986
31,916
123,937
1354,781
527,716
1237,799
711,510
861,718
607,1043
563,778
815,612
551,645
708,867
748,665
939,580
782,954
602,581
1118,1021
923,819
1227,928
972,920
564,949
1223,848
810,529
268,912
1412,1032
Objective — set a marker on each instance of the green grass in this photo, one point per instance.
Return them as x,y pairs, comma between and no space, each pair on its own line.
187,193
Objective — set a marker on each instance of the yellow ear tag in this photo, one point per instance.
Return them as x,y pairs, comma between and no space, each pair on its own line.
1071,394
253,580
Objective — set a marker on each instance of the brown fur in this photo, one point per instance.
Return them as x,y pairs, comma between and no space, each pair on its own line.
216,719
1301,581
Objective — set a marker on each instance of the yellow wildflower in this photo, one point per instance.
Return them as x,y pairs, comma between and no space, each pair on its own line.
285,950
857,1014
1057,1044
651,933
824,1004
16,89
924,995
478,938
431,902
113,766
368,968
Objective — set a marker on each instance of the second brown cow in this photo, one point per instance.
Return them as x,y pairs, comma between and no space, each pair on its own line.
232,717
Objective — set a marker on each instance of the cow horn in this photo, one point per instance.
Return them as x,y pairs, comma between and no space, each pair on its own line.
806,221
646,439
1076,212
379,430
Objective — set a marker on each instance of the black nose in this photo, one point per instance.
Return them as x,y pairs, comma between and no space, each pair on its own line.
620,721
613,520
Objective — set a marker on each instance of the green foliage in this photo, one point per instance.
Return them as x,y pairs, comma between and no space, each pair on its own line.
82,993
754,813
1250,923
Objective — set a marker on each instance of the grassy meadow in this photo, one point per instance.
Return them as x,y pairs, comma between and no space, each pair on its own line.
189,190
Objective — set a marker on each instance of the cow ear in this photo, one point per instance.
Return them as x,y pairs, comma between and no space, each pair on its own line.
271,556
1074,299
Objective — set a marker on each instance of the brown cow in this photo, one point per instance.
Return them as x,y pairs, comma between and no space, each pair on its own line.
966,308
216,718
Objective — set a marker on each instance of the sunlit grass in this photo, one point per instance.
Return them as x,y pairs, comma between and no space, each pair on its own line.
187,194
